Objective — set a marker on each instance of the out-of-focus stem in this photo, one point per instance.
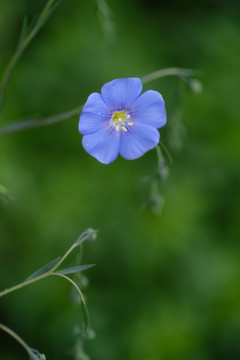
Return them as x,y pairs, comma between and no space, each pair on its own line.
167,72
85,320
73,283
18,53
24,125
16,337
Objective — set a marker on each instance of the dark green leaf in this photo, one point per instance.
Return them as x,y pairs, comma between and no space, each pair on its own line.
74,269
44,269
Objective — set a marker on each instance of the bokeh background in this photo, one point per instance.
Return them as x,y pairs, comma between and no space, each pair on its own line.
166,287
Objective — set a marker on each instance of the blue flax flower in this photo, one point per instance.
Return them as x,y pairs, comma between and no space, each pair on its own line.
120,120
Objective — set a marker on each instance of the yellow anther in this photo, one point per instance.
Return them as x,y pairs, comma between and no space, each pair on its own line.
120,119
118,115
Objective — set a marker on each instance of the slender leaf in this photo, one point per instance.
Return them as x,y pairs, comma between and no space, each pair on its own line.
23,32
32,23
74,269
44,269
45,18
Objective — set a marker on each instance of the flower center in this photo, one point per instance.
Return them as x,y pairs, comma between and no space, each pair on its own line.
121,120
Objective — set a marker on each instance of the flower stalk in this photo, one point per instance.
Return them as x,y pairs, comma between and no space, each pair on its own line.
35,123
16,337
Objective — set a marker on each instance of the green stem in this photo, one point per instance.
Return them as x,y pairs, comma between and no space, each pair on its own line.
63,258
84,307
159,153
182,73
73,283
40,277
83,237
16,337
24,125
16,56
167,152
29,124
23,284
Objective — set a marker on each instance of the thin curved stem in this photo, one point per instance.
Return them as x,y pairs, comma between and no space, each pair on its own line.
159,153
40,277
73,283
83,237
18,53
23,284
167,152
84,307
180,72
16,337
25,125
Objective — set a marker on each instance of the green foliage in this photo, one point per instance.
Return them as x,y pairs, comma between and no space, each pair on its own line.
46,268
164,287
74,269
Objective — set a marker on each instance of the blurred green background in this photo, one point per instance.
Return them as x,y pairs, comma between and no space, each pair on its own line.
165,287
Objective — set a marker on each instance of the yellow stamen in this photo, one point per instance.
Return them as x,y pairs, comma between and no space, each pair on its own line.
118,115
120,121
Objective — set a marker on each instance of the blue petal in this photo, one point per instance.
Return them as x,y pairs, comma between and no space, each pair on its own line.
103,145
149,109
121,92
94,114
137,140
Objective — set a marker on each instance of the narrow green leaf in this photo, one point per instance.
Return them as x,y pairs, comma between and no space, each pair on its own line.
45,18
74,269
44,269
167,152
23,32
32,23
